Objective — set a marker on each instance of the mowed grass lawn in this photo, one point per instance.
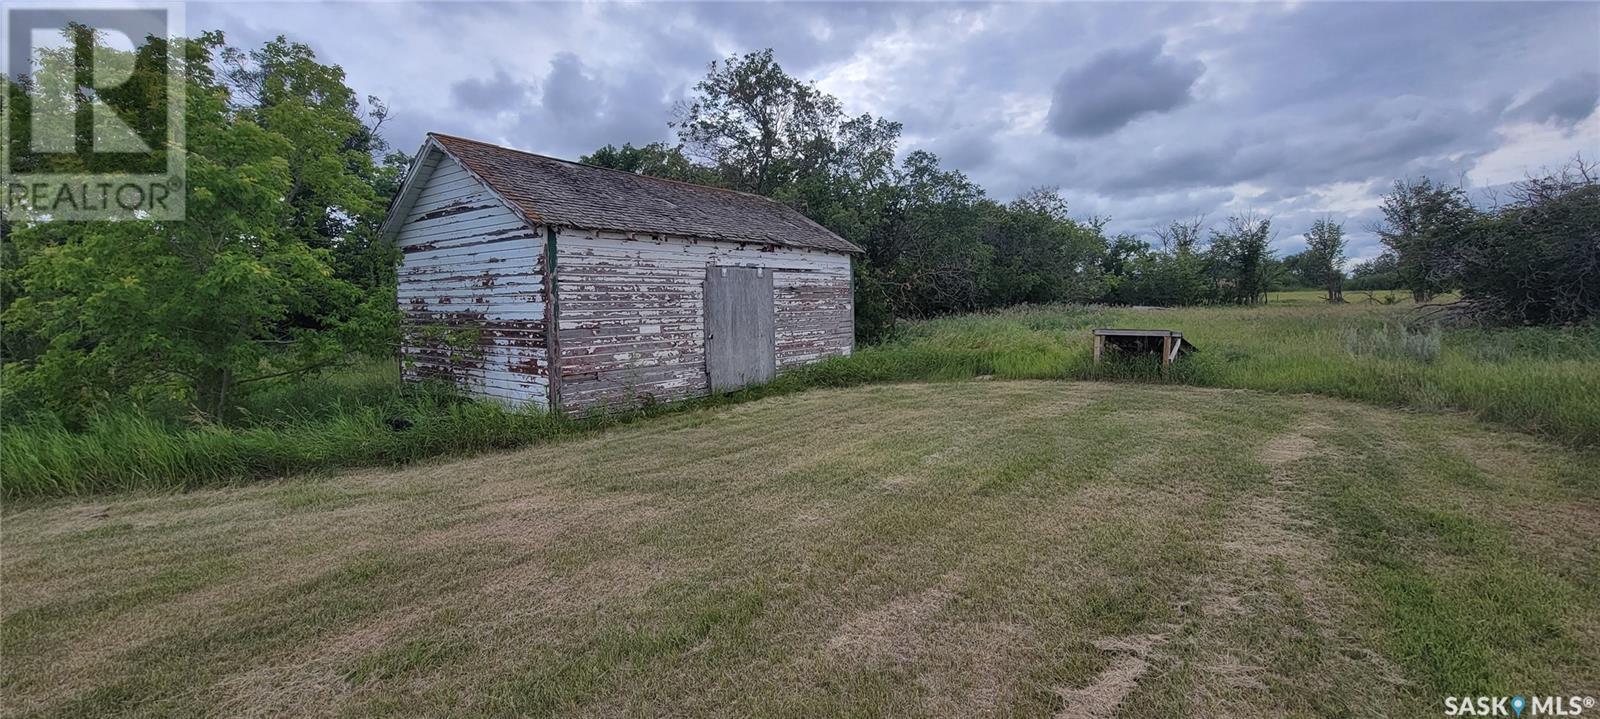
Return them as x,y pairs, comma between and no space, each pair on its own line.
1026,548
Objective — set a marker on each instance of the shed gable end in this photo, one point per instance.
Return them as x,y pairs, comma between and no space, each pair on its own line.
471,286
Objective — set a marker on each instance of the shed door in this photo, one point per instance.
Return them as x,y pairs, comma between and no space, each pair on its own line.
739,340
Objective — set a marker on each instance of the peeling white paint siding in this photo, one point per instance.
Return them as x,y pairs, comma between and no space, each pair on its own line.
474,269
632,319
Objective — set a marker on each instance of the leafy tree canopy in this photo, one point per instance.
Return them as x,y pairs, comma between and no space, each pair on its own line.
281,181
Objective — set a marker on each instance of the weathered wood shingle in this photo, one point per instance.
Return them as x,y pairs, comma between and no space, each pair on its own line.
558,192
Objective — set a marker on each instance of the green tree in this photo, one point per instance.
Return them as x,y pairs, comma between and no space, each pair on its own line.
1379,273
1182,276
1040,254
334,172
1324,257
1423,222
756,125
657,159
1297,271
194,310
1240,254
924,249
1121,252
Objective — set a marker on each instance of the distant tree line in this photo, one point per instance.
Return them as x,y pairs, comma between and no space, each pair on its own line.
936,243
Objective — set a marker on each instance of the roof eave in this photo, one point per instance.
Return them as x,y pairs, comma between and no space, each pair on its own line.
400,204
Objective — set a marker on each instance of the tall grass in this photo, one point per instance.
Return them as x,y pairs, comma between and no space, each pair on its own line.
129,449
1540,380
1545,381
1396,340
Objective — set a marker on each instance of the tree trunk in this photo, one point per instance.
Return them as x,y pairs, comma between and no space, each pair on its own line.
211,392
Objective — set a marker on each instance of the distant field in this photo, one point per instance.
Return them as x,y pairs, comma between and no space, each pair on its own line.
951,549
1540,380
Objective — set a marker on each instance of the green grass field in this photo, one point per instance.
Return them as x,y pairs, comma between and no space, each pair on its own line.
978,548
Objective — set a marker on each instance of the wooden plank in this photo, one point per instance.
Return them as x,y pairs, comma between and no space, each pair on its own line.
1119,332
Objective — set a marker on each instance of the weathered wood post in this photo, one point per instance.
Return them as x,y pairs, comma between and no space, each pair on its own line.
1099,344
1166,353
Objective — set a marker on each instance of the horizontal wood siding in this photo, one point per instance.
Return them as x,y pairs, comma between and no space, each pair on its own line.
472,290
632,313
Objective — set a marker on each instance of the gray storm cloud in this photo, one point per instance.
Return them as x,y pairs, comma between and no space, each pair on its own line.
1118,86
1569,99
492,94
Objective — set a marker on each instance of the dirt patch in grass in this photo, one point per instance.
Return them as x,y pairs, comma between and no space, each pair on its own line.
1499,455
895,632
1286,448
971,669
1131,658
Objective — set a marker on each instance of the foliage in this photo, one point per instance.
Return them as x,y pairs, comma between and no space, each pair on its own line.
1298,270
1379,273
1528,261
757,126
1240,254
923,247
657,159
1423,223
1324,257
1040,254
247,288
1537,259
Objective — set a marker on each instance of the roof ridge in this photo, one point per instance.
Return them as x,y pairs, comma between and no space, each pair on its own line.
608,169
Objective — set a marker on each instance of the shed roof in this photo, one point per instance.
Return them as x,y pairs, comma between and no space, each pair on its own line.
560,192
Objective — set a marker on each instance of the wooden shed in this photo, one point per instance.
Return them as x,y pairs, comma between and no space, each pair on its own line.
538,281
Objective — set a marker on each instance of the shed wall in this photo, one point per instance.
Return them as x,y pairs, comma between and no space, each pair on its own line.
632,320
471,290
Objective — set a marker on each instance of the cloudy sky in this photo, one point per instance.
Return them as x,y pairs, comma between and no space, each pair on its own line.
1143,112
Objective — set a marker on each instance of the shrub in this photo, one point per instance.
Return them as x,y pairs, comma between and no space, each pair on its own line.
1534,261
1396,341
